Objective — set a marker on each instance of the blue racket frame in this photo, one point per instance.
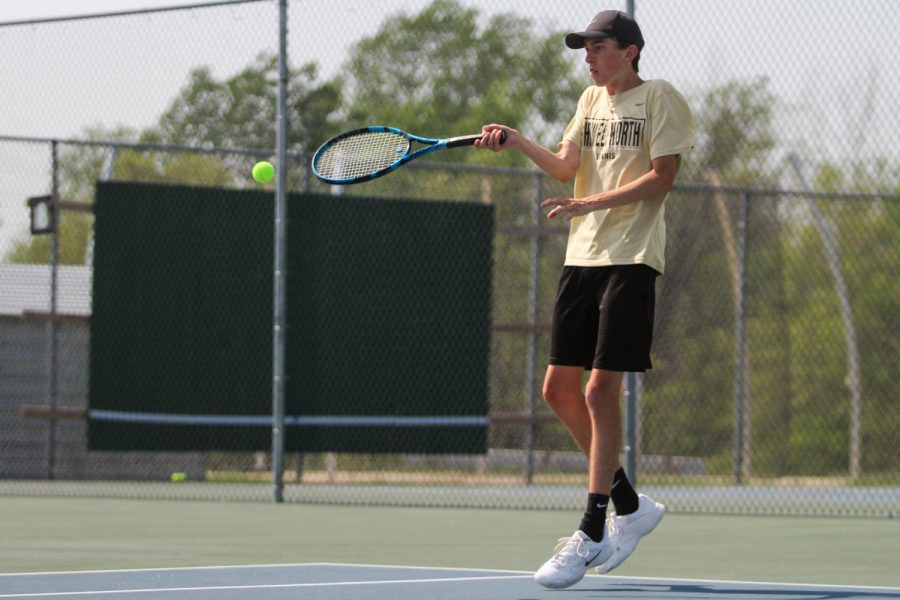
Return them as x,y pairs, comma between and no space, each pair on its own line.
431,145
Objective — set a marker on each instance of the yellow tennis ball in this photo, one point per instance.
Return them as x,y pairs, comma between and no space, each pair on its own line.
178,477
263,172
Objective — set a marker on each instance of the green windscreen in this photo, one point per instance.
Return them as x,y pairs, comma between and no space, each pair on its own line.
388,313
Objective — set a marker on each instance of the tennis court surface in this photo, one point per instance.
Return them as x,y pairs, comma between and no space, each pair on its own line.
328,581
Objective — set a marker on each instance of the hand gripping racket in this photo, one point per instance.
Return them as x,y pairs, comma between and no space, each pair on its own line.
364,154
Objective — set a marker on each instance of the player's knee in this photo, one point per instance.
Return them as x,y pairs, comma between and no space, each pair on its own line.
551,394
601,394
557,397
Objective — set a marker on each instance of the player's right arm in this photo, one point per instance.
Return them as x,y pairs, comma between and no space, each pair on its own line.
560,165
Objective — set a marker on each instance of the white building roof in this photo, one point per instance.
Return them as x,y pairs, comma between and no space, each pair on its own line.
26,289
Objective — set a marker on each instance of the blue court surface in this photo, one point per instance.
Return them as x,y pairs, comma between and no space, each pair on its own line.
326,581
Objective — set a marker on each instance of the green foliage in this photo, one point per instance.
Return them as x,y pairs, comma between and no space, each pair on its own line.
241,111
440,73
877,176
75,230
188,169
869,254
81,166
734,122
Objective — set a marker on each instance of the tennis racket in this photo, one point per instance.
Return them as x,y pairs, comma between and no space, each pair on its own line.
364,154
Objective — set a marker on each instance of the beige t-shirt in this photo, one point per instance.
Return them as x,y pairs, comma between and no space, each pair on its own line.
619,135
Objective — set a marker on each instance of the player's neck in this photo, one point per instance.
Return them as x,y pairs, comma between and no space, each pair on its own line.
626,81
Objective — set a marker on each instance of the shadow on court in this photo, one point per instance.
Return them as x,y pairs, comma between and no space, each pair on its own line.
728,591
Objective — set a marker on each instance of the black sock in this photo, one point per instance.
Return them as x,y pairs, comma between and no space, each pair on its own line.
622,494
595,516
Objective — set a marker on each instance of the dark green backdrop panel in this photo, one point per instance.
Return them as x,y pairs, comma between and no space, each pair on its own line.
388,314
181,316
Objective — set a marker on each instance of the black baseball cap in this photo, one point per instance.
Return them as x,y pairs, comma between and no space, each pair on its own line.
606,24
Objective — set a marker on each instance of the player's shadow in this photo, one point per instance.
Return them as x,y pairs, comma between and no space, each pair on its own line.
676,591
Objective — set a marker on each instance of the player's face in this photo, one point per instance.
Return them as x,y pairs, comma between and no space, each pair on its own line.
605,60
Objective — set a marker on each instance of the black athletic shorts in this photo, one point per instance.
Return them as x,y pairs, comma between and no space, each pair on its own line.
603,318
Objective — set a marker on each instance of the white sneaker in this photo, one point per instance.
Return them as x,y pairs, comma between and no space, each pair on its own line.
626,531
578,554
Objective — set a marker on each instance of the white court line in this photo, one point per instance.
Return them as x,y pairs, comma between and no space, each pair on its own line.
257,587
636,578
419,567
156,569
262,566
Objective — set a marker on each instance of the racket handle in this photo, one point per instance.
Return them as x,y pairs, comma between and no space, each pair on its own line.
468,140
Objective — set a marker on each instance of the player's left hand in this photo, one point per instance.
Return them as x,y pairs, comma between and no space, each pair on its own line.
567,207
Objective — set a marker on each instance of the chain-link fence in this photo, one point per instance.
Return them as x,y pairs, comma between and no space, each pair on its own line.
776,346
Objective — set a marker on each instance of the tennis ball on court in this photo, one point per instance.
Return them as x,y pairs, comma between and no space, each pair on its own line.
263,172
178,477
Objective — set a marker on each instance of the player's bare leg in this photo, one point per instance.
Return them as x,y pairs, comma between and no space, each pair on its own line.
602,402
563,393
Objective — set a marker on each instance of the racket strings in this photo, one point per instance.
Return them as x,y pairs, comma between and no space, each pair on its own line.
361,154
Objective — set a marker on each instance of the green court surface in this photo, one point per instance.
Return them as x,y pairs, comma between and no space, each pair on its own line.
75,534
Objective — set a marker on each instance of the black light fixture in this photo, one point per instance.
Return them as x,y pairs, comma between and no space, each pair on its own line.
43,217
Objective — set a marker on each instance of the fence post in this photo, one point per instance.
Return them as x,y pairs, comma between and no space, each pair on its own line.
53,325
280,271
631,444
531,352
741,408
631,388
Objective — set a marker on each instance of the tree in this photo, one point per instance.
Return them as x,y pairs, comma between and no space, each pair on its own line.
734,124
240,112
441,73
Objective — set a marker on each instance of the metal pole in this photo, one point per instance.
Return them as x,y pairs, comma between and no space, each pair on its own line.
631,446
631,388
630,449
53,326
740,347
531,352
280,274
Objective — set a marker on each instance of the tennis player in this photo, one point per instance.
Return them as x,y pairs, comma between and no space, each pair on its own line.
623,147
